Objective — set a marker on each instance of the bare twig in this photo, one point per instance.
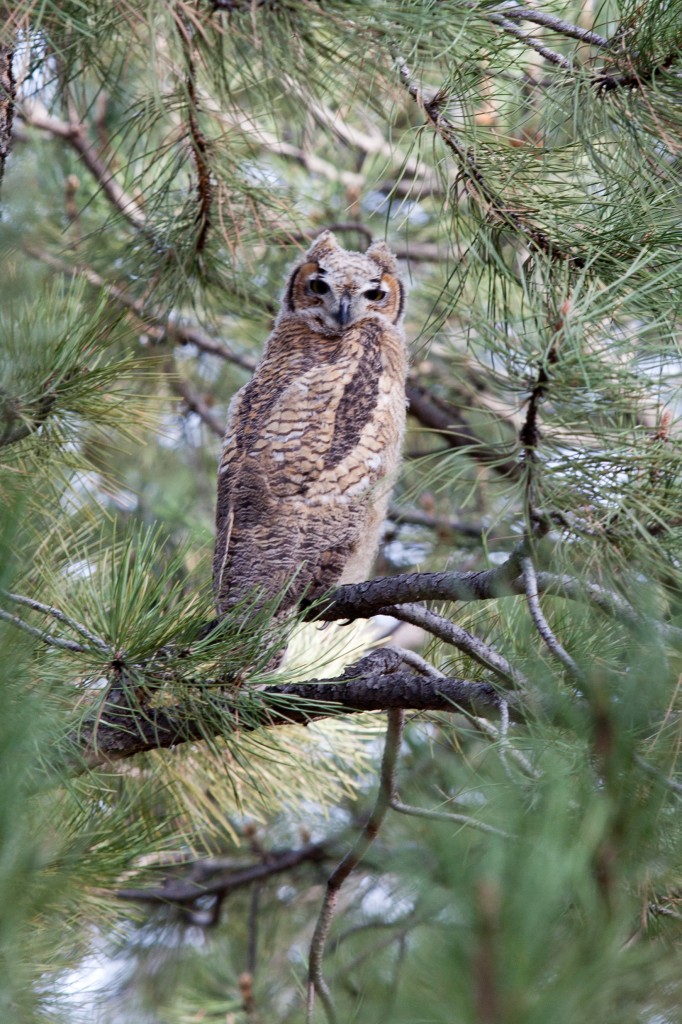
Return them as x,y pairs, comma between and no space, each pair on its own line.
488,729
416,661
513,30
313,164
196,404
541,624
511,9
415,517
482,724
460,638
208,877
457,819
60,616
46,638
367,141
316,982
254,913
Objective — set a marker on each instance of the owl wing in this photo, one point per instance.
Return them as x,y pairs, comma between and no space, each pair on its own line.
288,465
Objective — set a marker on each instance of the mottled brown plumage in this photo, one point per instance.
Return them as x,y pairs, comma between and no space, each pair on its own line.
313,440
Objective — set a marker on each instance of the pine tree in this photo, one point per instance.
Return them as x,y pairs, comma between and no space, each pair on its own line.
482,829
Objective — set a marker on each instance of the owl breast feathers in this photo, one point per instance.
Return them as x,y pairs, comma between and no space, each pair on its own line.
313,441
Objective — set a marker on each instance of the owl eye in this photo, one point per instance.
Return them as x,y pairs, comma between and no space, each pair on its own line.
318,287
373,294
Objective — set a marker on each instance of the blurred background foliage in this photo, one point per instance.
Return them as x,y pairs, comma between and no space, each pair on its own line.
161,165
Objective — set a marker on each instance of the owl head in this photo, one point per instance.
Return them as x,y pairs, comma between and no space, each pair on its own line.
332,289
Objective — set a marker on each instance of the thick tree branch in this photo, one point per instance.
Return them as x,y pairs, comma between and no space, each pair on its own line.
122,726
360,600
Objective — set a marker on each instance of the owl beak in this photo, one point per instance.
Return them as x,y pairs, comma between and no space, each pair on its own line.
342,314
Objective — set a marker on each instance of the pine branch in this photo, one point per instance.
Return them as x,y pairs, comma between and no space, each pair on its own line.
492,203
530,582
162,328
196,404
124,725
456,819
39,634
74,133
198,143
513,30
60,616
22,421
514,10
460,638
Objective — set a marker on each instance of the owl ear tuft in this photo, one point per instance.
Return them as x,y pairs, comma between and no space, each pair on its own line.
381,254
323,245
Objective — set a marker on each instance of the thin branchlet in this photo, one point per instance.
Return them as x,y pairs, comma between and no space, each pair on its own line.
316,983
492,204
197,138
460,638
60,616
42,635
541,624
456,819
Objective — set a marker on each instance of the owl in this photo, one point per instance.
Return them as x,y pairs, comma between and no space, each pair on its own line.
313,441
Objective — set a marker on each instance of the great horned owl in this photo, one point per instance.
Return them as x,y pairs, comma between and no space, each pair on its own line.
313,441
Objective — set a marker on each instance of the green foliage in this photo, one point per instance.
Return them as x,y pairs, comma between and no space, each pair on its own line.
169,162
